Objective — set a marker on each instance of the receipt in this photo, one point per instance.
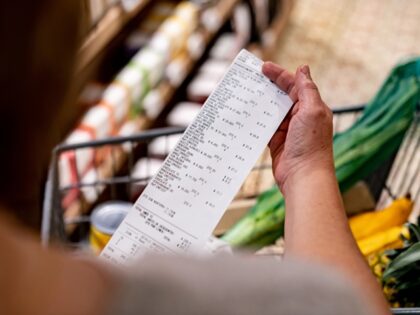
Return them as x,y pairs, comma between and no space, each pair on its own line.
183,203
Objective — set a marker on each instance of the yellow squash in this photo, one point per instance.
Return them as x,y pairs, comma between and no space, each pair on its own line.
367,224
388,239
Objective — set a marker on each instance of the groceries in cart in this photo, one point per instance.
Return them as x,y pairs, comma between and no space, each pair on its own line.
104,221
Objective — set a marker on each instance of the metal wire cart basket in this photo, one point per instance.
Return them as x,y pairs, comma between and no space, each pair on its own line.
123,165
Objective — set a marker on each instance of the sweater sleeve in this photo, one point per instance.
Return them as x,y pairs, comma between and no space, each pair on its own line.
233,285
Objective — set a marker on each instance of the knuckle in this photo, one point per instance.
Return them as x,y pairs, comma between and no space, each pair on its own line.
329,112
317,112
321,113
284,76
309,85
285,81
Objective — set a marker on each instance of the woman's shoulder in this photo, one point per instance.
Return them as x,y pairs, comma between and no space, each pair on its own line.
234,285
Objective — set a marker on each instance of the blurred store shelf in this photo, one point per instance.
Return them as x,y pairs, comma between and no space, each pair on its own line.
105,30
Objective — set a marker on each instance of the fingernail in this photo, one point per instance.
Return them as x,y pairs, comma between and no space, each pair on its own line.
266,65
305,70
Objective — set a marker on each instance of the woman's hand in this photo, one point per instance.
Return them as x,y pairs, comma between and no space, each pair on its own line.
303,166
303,141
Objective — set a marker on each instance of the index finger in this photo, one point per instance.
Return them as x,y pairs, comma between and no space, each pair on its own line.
281,77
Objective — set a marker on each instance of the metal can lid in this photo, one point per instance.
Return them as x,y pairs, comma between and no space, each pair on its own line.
107,216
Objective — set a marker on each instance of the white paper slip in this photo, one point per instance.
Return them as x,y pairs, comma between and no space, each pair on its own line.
182,204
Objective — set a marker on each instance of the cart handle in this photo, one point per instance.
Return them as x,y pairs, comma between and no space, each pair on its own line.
138,137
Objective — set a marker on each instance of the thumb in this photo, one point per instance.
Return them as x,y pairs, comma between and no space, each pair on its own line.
306,89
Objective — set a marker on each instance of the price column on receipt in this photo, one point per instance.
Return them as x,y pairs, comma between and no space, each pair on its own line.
182,204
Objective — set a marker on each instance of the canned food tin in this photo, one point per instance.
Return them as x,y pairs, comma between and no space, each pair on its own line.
105,220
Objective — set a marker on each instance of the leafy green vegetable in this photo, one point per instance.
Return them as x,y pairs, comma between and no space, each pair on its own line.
401,277
403,263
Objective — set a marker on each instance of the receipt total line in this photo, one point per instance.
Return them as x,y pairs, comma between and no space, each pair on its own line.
137,230
175,226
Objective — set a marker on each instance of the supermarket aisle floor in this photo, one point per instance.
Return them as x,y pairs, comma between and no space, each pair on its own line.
350,45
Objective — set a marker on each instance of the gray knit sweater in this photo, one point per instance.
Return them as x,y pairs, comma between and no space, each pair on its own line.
232,286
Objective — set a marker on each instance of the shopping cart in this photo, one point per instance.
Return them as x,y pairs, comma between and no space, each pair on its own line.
119,182
70,226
